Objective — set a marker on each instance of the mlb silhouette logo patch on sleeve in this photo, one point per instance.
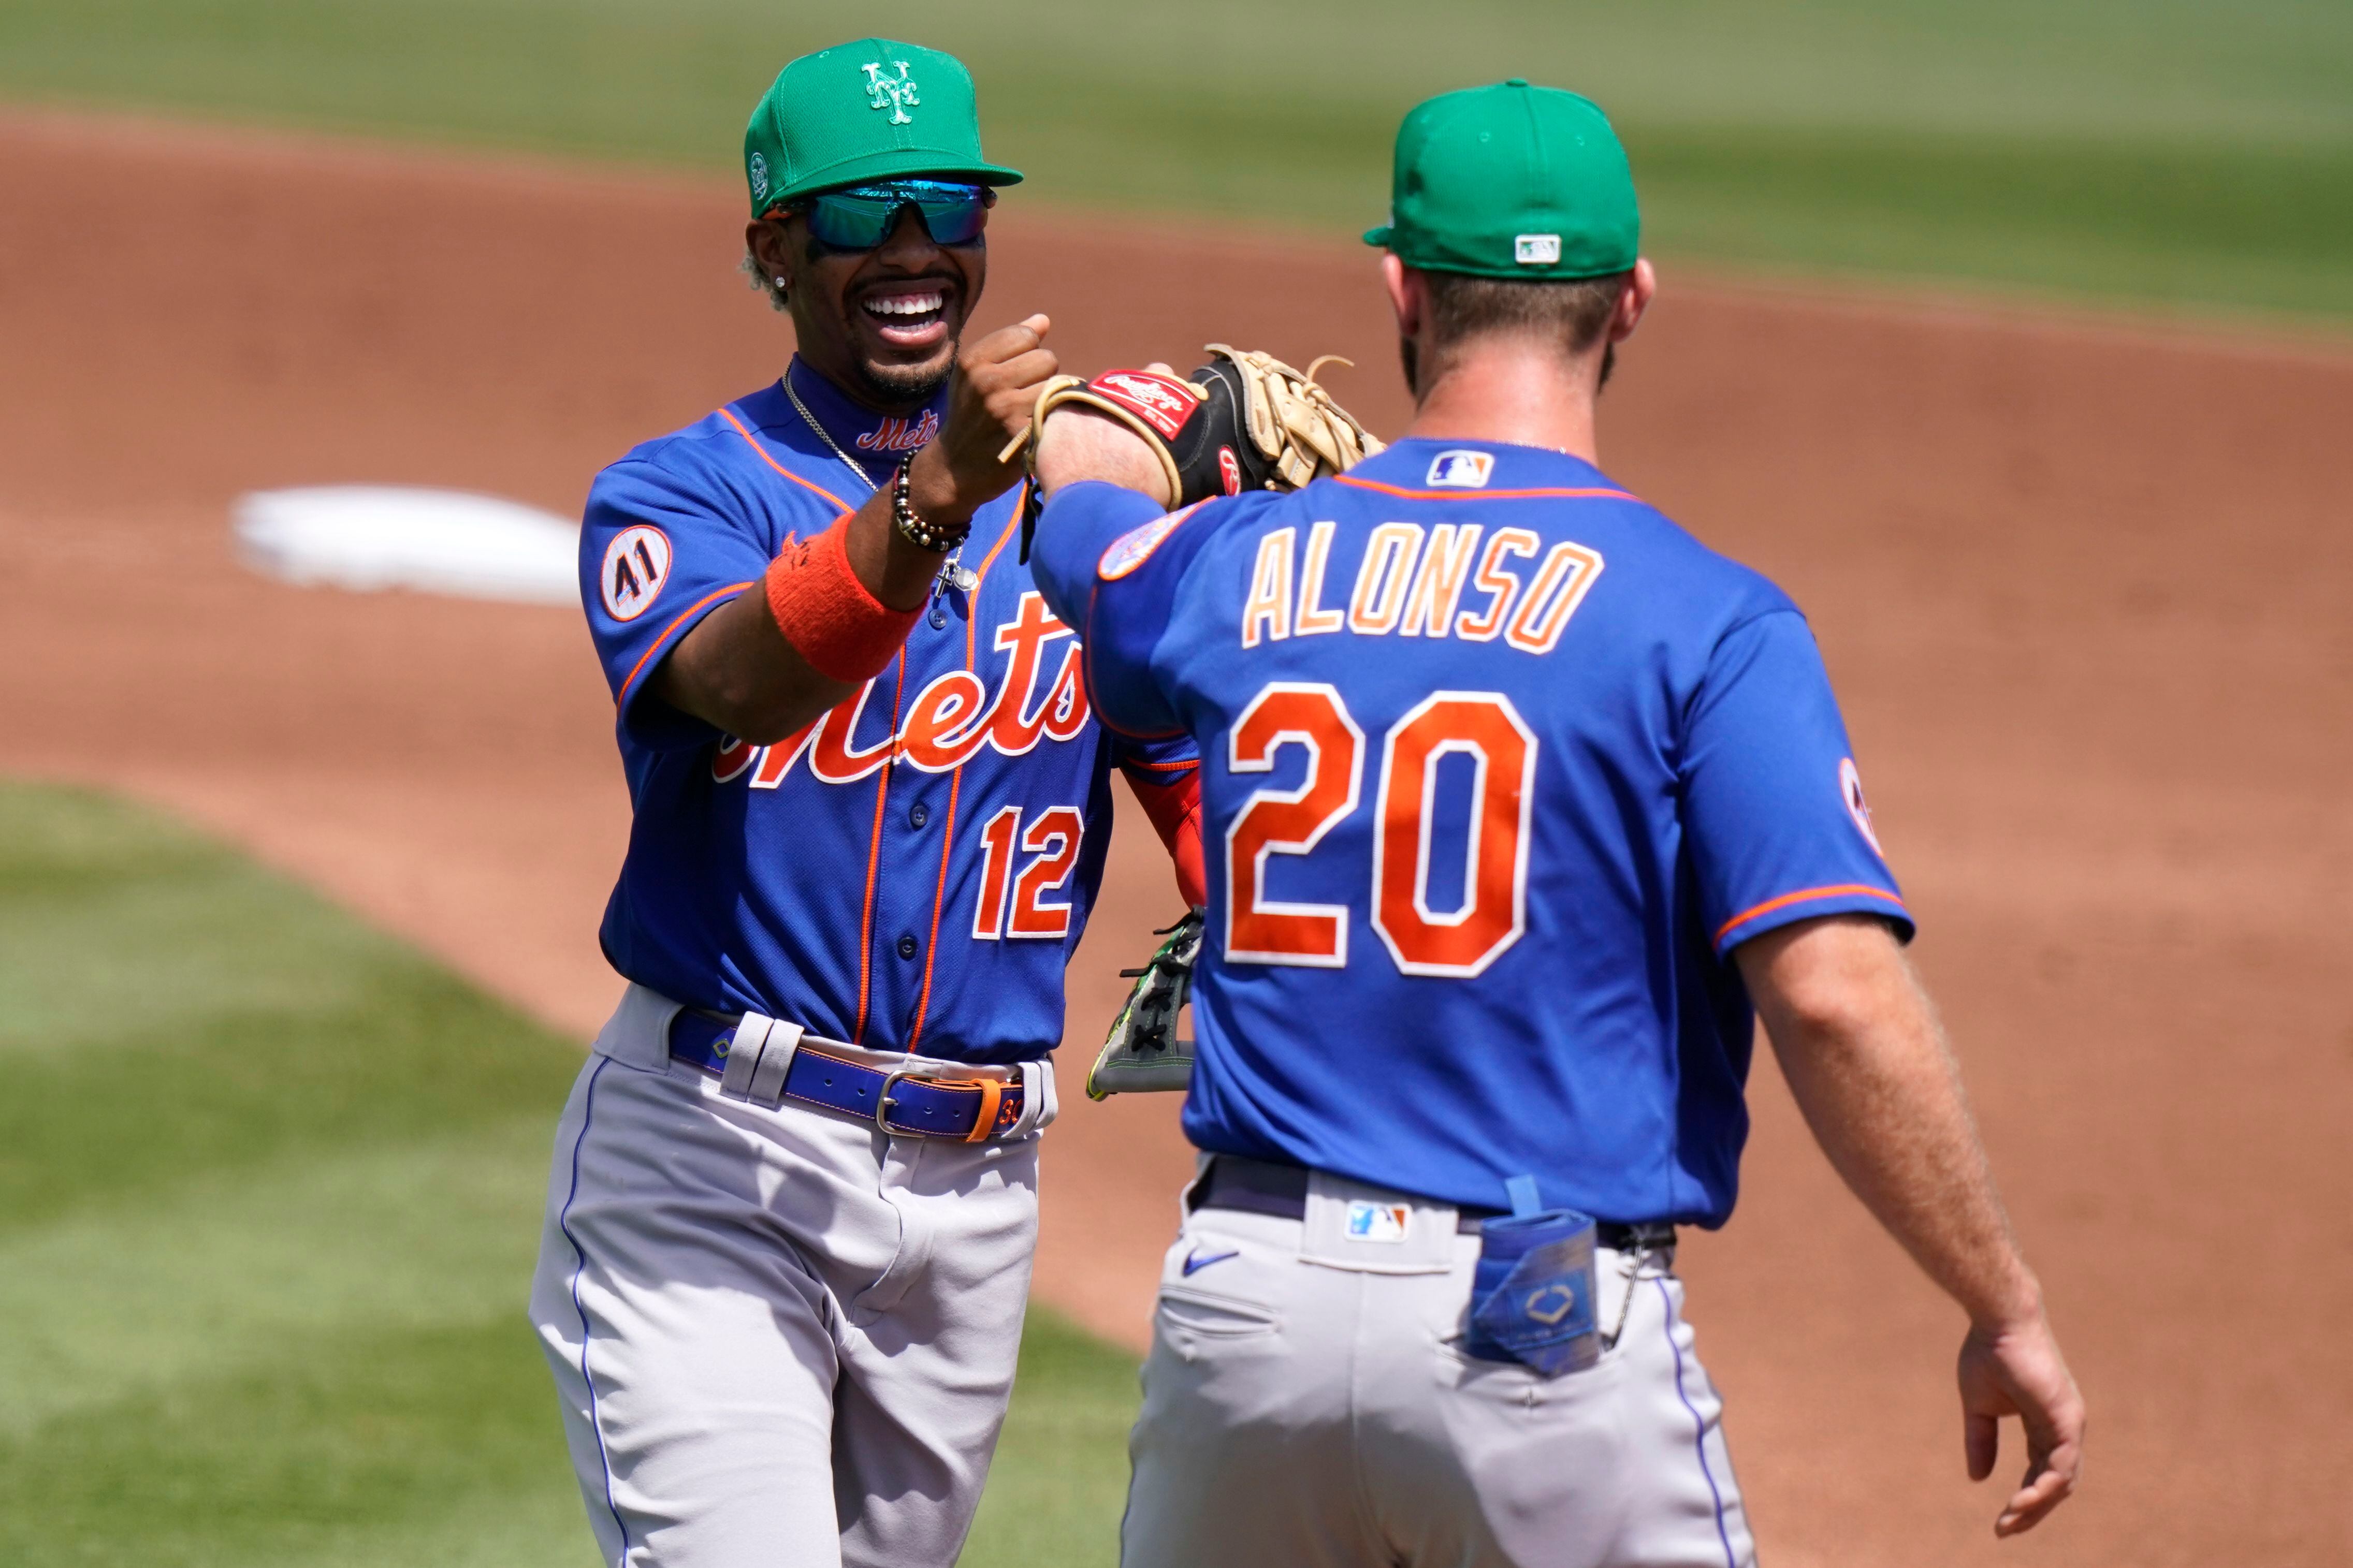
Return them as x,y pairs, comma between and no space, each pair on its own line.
1369,1221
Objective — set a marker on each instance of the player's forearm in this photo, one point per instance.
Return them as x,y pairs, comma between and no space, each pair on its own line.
736,671
770,661
897,571
1866,1060
1079,444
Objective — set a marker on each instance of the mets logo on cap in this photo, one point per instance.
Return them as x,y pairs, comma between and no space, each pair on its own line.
896,94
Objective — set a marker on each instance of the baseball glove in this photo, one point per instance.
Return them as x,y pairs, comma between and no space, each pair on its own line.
1143,1054
1244,421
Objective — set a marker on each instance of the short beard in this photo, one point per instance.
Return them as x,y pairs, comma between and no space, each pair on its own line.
910,385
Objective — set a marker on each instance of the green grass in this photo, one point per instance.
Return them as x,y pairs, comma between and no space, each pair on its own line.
1061,1478
269,1190
2165,152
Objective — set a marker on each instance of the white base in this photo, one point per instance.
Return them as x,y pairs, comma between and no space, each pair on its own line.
371,537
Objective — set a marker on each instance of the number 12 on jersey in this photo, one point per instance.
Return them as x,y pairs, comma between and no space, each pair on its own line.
1481,726
1052,841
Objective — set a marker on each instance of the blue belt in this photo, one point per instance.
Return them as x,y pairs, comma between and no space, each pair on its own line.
892,1098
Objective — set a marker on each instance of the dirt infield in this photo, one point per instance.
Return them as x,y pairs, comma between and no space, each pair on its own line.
2088,596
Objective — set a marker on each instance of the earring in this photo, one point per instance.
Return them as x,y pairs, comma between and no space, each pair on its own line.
780,279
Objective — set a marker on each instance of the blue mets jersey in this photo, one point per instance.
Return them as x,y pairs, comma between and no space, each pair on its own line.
911,871
1498,767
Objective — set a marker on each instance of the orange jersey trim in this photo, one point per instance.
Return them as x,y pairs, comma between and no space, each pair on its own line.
1020,494
1838,890
840,504
939,902
956,789
1484,495
874,859
667,632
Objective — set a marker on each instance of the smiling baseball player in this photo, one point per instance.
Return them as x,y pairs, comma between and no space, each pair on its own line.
1519,799
794,1197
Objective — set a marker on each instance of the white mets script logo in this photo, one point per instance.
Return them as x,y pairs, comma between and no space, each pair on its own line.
897,435
895,93
1460,470
1038,698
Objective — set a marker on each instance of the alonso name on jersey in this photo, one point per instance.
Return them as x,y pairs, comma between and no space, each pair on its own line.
1465,693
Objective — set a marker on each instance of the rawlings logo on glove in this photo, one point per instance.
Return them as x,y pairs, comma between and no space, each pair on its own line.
1158,401
1244,421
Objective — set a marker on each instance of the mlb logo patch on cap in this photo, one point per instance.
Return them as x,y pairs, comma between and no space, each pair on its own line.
1537,250
1369,1221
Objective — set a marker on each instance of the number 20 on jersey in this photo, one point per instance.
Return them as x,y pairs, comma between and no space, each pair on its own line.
1483,727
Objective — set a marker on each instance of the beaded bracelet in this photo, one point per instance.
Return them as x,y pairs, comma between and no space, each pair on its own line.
913,528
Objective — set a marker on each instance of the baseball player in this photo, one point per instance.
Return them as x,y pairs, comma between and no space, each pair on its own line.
794,1197
1518,799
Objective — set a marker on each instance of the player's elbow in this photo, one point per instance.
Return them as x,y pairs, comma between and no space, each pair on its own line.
1829,979
759,730
762,717
741,702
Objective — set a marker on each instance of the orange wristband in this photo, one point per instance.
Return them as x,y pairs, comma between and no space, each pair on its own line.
826,613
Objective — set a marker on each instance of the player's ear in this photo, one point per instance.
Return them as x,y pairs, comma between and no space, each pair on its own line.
773,252
1641,288
1409,293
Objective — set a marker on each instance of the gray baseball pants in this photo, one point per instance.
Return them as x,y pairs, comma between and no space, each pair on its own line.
1307,1405
779,1337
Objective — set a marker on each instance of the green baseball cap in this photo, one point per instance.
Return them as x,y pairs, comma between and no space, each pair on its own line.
1511,180
873,110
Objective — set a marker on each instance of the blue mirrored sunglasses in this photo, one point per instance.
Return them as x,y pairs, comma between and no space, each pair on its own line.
862,217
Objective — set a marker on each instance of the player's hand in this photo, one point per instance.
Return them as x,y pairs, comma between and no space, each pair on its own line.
996,387
2018,1371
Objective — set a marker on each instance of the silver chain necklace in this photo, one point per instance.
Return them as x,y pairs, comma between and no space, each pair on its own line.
825,435
953,574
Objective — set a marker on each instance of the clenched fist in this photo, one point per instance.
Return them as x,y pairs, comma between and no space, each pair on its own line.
995,385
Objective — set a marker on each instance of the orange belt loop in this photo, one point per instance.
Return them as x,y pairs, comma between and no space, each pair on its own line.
991,1093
